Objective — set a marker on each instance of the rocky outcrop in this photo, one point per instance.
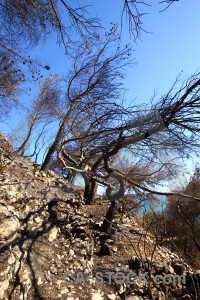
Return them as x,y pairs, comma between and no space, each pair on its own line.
52,246
5,145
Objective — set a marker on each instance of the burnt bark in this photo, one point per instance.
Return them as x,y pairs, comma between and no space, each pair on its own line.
90,190
107,223
197,244
54,146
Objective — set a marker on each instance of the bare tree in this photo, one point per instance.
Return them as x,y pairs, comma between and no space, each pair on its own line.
32,21
27,23
44,109
10,84
94,79
170,125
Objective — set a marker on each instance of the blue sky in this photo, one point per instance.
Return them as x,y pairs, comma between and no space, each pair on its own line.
173,46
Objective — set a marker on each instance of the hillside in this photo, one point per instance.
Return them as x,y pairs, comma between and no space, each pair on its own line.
47,231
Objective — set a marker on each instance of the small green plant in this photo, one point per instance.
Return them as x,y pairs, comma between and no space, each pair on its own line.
40,174
118,222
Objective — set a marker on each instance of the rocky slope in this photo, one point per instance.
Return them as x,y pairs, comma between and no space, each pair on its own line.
47,231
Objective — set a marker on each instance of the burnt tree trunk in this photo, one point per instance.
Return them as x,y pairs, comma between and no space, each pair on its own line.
22,149
197,244
56,142
90,190
107,223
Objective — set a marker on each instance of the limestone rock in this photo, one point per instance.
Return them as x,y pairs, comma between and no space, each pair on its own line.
186,297
112,296
9,223
53,234
47,231
5,145
96,296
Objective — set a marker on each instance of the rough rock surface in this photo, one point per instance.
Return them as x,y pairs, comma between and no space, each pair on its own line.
46,231
5,144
